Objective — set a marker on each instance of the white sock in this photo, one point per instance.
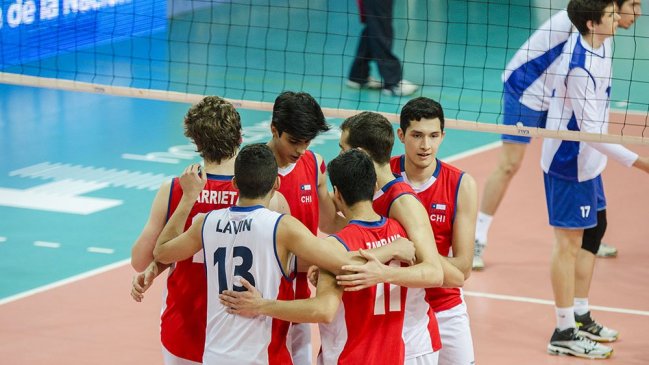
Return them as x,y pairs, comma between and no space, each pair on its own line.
482,227
581,306
565,318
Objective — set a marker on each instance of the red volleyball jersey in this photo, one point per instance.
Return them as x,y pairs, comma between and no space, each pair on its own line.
439,196
368,326
421,331
384,198
184,316
299,185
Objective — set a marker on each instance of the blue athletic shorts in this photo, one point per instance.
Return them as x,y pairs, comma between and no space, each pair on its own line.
573,204
515,112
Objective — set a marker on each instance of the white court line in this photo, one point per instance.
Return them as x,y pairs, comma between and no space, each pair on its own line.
512,298
473,151
47,244
100,250
3,239
63,282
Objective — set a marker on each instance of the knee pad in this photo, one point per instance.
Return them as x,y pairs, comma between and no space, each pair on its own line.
593,236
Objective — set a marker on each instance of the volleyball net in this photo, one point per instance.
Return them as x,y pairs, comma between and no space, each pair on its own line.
249,51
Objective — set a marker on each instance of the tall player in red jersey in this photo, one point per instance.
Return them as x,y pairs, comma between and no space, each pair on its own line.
450,197
367,328
374,134
297,119
214,126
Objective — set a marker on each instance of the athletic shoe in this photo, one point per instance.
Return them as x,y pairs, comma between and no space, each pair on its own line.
569,342
478,249
589,328
403,88
371,83
606,251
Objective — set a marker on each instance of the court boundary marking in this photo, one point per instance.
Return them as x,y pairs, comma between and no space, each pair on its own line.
514,298
66,281
455,157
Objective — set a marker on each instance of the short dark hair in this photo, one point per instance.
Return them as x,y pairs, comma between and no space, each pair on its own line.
419,108
373,133
581,11
255,171
352,173
621,2
299,115
214,125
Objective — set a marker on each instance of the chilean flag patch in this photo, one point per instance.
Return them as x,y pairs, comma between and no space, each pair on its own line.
438,206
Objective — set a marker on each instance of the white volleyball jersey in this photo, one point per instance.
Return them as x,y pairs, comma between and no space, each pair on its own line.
529,74
580,103
239,242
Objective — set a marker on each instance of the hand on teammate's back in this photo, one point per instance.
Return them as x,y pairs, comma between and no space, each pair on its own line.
244,303
193,180
363,276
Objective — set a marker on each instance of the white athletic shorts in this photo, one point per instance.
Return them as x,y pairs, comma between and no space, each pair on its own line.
427,359
457,344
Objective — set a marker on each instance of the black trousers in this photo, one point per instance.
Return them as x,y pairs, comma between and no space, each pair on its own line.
376,44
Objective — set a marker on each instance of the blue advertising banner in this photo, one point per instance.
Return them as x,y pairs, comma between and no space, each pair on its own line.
34,29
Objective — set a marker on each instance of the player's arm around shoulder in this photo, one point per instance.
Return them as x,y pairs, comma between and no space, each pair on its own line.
330,220
142,250
293,236
183,246
466,212
427,272
173,244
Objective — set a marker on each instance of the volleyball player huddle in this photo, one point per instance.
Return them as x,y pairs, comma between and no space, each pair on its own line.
237,290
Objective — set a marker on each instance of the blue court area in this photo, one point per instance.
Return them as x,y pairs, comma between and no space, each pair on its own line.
78,171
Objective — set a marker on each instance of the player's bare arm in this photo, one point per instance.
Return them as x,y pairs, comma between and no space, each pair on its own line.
642,163
319,309
329,253
174,245
466,213
330,220
142,251
279,204
427,271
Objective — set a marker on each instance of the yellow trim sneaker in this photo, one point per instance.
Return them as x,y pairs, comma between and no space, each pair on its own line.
569,342
589,328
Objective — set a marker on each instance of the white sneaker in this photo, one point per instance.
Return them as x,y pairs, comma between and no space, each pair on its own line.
606,251
371,83
403,88
569,342
478,249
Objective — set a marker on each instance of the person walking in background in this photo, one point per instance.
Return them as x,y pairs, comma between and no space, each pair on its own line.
375,44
